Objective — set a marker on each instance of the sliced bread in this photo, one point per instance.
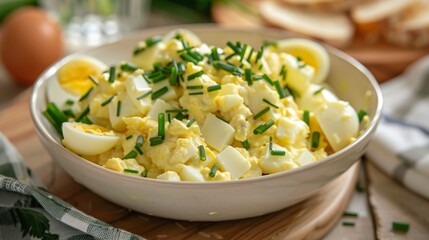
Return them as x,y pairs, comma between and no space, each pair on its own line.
334,28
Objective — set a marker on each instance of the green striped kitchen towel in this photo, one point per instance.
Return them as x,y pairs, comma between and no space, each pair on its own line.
400,145
28,211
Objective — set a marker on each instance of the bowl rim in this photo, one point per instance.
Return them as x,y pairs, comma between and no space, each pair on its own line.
43,131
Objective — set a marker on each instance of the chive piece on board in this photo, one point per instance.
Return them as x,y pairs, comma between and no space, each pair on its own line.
350,214
400,226
347,223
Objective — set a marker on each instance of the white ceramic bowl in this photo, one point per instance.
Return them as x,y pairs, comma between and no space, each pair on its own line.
214,201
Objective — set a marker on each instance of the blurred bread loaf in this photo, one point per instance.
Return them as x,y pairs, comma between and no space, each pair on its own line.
373,17
322,5
332,27
411,28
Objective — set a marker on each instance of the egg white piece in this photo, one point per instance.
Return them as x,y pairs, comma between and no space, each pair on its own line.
58,95
84,143
315,96
339,123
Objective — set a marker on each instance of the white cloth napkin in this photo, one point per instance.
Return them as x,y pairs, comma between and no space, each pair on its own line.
400,146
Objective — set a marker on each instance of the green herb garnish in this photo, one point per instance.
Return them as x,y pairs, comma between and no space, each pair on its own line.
144,95
270,103
202,152
400,226
214,88
306,117
315,137
246,144
213,170
195,75
112,73
131,171
190,123
161,125
118,109
84,96
107,101
263,127
262,112
93,80
131,154
159,93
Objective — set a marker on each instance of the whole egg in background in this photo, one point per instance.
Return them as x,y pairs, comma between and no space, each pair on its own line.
31,40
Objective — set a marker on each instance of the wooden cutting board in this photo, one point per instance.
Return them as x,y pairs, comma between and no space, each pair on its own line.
384,60
311,219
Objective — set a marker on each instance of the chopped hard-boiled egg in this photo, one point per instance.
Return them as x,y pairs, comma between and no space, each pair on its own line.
88,140
186,111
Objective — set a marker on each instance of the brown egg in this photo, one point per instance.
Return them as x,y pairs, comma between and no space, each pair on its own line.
31,41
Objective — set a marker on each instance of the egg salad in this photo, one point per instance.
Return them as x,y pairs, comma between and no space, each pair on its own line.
182,110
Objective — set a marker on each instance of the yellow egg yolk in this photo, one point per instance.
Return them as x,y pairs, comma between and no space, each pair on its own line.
94,129
74,76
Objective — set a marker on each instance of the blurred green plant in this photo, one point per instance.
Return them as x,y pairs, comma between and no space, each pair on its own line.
196,11
8,6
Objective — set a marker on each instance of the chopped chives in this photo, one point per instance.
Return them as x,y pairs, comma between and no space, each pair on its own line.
194,87
306,117
350,214
131,154
189,58
288,91
69,102
215,54
283,72
315,137
157,77
180,116
250,54
268,79
138,149
144,95
246,144
267,43
128,137
149,43
55,116
361,114
259,55
230,56
68,113
143,173
173,76
262,112
130,170
157,66
318,91
83,114
176,110
243,51
202,152
93,80
270,145
213,170
84,96
86,120
227,67
139,141
214,88
195,75
169,117
248,76
159,93
278,152
161,125
128,67
112,73
155,140
270,103
280,90
190,122
146,78
256,77
347,223
196,93
118,109
400,226
196,56
263,127
107,101
233,47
